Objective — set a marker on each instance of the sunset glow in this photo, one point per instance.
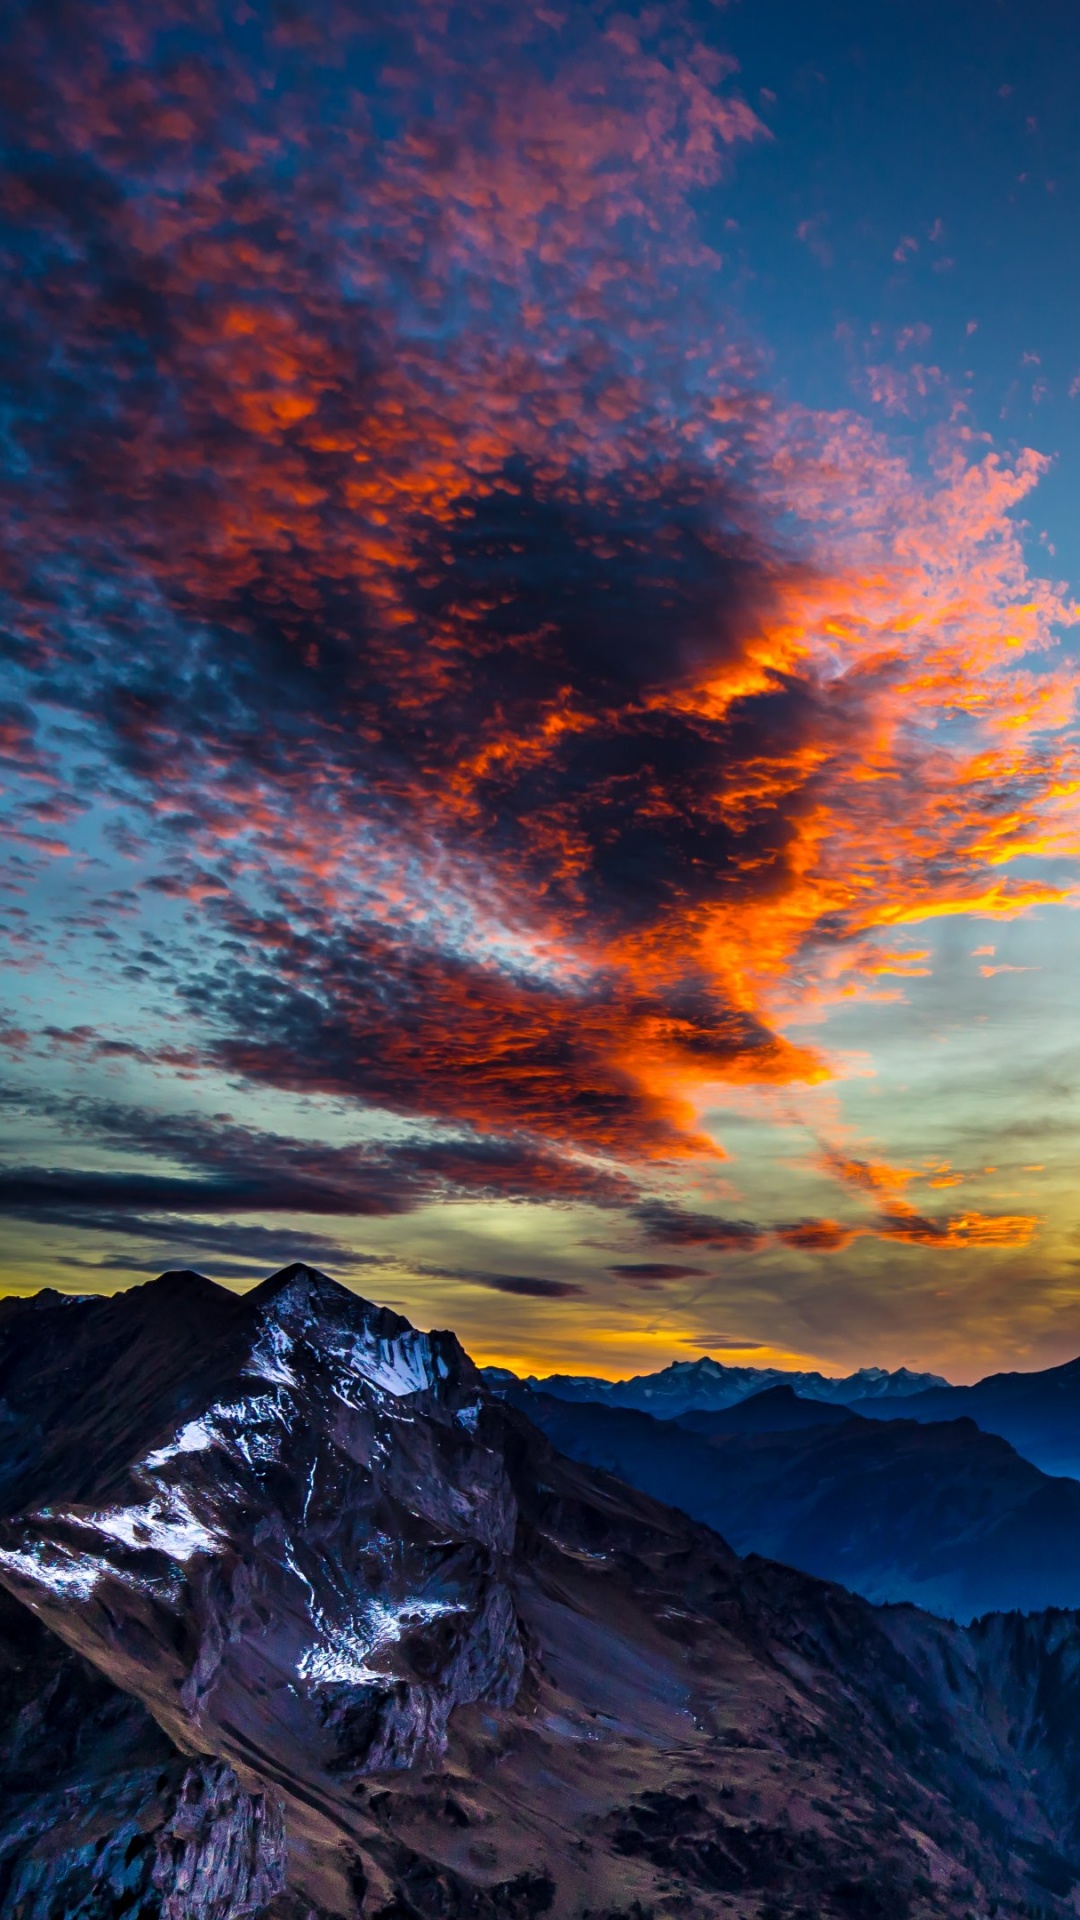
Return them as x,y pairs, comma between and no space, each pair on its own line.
515,791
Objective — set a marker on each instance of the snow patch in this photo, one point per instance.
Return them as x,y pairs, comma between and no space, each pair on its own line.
196,1437
402,1364
343,1655
238,1428
72,1579
272,1354
166,1524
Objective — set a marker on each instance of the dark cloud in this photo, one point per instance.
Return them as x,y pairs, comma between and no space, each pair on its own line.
681,1227
653,1270
526,1286
48,1195
816,1236
229,1240
724,1343
215,1267
615,595
234,1168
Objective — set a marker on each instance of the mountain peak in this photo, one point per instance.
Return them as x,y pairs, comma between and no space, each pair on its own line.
321,1453
352,1336
298,1278
183,1282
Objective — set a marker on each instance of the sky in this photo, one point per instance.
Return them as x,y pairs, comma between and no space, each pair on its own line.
539,667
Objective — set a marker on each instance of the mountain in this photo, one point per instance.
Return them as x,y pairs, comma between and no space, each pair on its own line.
776,1410
942,1515
1038,1412
299,1621
707,1386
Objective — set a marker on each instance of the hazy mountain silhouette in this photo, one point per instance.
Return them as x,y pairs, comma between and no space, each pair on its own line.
776,1410
1039,1413
939,1514
708,1385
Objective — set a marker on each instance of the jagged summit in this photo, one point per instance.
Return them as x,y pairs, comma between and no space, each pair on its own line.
308,1505
361,1338
130,1370
300,1277
299,1298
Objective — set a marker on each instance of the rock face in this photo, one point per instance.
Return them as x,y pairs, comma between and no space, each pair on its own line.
221,1851
99,1815
300,1622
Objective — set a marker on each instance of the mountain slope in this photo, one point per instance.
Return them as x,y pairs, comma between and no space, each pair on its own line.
84,1771
320,1628
942,1515
1038,1413
708,1385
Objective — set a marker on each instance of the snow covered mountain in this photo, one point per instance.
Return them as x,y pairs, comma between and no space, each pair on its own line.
707,1386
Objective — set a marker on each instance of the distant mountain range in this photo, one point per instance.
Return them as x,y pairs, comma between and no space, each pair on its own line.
299,1621
1038,1413
939,1514
708,1385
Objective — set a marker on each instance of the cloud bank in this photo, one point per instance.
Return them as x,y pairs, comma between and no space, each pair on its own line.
524,716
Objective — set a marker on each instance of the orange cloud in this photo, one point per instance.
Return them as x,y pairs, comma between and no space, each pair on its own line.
868,1176
898,1220
817,1236
537,716
960,1229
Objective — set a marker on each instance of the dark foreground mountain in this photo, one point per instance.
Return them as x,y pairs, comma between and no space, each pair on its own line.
707,1386
301,1622
1038,1413
942,1515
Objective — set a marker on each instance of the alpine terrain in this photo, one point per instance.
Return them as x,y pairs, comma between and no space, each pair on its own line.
300,1620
